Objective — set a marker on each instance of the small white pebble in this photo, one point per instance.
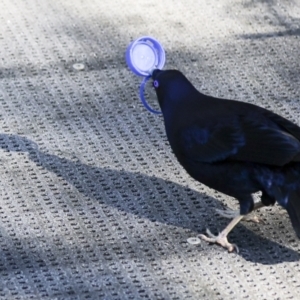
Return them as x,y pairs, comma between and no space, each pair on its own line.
193,240
78,66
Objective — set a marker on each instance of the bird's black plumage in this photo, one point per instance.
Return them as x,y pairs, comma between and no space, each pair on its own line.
234,147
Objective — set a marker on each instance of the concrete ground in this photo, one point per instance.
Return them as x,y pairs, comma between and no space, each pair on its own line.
93,203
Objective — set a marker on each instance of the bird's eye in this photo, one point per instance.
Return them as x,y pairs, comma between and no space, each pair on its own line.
155,84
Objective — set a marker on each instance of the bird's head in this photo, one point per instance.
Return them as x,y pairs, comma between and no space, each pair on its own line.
171,87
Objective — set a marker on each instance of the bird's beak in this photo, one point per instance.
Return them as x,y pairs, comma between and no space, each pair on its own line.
155,73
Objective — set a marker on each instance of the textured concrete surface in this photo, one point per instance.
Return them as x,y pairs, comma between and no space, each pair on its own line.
93,204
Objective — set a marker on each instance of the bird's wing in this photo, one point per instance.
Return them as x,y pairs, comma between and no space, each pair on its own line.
283,123
240,139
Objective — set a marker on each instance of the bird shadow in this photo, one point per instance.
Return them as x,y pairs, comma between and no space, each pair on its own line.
153,198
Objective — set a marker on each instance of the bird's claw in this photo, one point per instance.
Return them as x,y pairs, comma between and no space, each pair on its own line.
254,219
220,239
227,213
230,214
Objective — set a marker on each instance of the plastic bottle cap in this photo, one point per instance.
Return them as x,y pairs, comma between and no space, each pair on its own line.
78,66
193,241
144,55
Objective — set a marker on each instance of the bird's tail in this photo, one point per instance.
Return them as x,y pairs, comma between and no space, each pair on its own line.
293,208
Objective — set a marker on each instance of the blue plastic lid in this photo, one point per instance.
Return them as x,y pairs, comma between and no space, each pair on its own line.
144,55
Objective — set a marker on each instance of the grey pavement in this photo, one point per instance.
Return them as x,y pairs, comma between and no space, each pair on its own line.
93,204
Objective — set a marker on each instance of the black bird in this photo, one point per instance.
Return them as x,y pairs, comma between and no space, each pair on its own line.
234,147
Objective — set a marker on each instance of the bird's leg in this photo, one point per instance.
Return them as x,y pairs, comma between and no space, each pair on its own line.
229,213
221,238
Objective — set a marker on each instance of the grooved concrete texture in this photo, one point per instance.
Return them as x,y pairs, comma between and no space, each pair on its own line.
93,203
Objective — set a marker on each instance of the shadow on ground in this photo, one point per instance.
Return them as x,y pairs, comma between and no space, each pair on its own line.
136,194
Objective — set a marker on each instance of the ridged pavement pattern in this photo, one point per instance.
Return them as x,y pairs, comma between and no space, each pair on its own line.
93,203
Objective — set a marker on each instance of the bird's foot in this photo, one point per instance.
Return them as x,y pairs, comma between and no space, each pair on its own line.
220,239
227,213
254,219
230,214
